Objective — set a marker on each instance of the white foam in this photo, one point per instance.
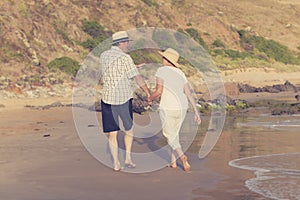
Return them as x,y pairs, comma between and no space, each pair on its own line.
278,124
277,175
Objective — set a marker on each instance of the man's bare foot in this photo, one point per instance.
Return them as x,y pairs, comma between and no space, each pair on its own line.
117,167
130,164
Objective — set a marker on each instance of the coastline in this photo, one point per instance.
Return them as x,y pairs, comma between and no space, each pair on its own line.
43,158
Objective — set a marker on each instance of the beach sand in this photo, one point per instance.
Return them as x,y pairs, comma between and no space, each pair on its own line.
42,157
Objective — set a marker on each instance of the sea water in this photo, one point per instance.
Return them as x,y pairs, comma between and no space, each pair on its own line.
277,175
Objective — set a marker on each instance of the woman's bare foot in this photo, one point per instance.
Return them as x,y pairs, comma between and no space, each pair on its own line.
186,165
172,165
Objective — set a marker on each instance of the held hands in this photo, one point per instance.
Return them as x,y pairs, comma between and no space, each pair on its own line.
149,100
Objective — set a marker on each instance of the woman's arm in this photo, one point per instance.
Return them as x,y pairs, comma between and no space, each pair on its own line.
159,89
187,91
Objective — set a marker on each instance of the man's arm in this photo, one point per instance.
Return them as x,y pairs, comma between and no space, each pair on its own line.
140,81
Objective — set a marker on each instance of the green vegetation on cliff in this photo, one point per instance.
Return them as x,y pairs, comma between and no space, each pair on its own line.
65,64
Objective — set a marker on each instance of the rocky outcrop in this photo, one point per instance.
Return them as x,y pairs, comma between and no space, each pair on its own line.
286,109
39,85
287,86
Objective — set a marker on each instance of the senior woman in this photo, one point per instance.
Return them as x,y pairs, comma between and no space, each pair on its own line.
173,88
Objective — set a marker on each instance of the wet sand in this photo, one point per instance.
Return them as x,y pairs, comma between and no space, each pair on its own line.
42,157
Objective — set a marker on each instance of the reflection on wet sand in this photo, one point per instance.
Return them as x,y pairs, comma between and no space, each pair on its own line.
261,137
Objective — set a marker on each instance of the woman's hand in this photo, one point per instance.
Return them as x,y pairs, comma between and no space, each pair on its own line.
197,118
149,100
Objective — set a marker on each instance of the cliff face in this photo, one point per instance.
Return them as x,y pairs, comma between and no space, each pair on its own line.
37,31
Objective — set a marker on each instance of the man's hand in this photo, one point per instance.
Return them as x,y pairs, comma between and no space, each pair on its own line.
140,65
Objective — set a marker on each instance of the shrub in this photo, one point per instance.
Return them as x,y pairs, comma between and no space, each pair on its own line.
150,3
177,2
23,10
65,64
240,104
90,43
64,35
93,28
218,43
231,53
196,36
271,48
96,31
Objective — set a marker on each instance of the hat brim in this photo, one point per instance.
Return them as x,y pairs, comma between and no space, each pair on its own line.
174,63
121,40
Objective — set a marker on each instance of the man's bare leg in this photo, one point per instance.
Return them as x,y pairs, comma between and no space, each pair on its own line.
128,138
113,145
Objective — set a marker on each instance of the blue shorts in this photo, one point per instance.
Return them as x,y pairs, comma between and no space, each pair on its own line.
111,114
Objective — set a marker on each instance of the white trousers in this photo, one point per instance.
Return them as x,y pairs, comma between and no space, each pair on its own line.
171,123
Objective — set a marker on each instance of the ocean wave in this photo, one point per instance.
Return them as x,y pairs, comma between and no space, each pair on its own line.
277,175
282,125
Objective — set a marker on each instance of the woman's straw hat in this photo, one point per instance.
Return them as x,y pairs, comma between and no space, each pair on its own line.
120,36
171,55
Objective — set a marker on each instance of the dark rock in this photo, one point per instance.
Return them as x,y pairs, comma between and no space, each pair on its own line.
245,88
286,108
221,100
96,107
139,106
57,104
271,89
139,102
80,105
287,86
46,135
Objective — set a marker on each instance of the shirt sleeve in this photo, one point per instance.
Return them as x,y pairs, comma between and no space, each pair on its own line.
131,69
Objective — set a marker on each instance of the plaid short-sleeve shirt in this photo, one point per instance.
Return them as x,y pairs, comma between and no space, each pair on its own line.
117,69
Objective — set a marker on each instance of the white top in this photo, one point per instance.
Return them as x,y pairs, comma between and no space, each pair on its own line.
117,70
173,96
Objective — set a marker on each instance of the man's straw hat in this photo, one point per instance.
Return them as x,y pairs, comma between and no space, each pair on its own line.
171,55
120,36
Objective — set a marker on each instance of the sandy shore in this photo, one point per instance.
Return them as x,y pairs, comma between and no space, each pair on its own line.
42,157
